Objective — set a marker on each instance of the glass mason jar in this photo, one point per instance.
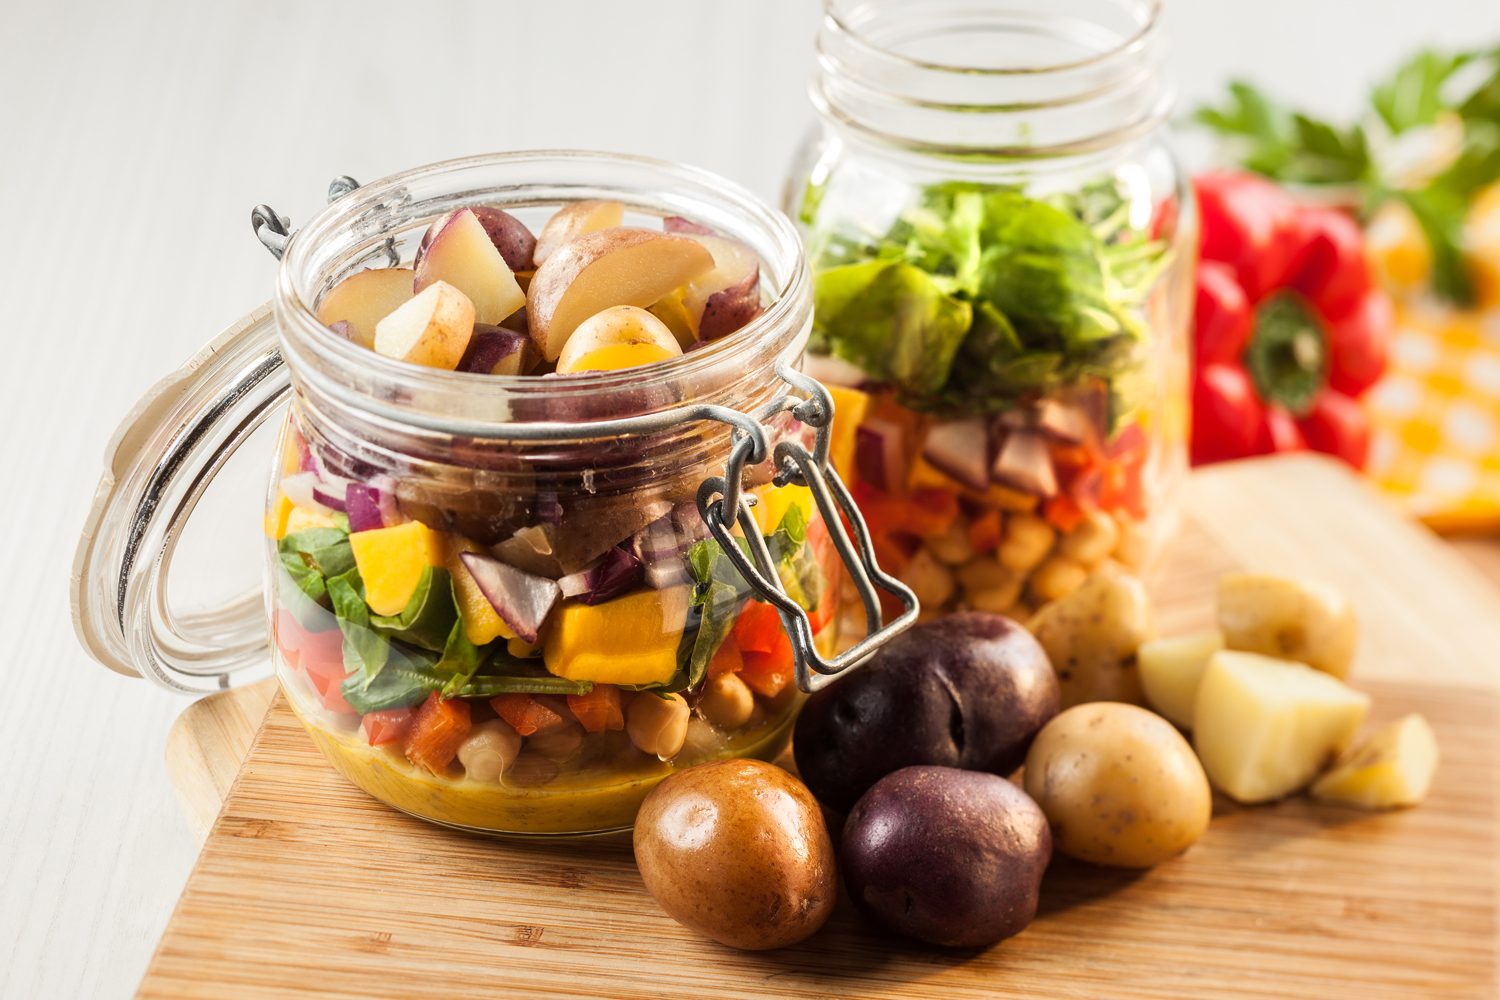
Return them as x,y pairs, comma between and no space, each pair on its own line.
643,629
1002,247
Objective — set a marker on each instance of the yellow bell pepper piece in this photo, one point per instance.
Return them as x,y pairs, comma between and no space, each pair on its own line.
482,624
772,503
629,640
849,409
302,519
923,475
391,562
277,517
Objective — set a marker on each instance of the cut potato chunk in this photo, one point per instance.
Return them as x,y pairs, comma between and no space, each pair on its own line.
572,221
462,254
365,298
1392,768
614,328
1171,669
1300,620
614,267
1264,728
432,329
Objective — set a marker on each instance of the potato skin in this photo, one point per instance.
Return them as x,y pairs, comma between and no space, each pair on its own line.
738,850
950,857
1120,786
969,690
1091,637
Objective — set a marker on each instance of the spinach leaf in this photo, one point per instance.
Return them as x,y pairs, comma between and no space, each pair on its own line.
366,652
307,580
490,685
323,549
892,319
428,618
405,680
460,660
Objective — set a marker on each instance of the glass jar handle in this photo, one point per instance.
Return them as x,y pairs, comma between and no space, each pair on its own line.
811,404
157,467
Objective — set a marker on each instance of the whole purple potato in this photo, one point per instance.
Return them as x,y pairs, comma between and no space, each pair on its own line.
971,690
953,858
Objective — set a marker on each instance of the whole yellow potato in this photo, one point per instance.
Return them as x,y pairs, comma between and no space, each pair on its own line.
738,850
1119,785
1092,635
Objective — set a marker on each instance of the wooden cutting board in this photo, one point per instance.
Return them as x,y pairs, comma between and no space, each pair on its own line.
306,887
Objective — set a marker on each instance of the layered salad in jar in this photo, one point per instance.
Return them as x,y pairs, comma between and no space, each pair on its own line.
1007,373
533,659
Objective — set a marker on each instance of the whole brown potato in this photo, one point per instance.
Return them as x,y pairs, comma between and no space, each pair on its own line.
737,850
1119,785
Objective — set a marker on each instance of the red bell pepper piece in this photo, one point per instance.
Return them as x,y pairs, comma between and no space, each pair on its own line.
524,713
985,531
598,710
1279,432
438,728
387,725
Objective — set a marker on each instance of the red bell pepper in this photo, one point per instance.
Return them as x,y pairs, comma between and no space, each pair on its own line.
1289,329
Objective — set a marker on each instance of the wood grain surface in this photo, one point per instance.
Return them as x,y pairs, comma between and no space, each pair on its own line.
307,887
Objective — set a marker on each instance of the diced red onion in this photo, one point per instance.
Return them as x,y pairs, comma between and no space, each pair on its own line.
616,572
1024,463
880,453
960,448
301,489
662,552
329,500
362,504
521,599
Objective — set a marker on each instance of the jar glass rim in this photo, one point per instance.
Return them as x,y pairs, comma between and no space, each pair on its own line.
1144,29
771,233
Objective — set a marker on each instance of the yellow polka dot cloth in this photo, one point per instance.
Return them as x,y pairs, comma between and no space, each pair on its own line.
1436,417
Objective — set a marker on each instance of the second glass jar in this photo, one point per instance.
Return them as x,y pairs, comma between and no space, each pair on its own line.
1002,247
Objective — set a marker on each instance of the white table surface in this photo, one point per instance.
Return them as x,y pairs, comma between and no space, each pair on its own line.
136,137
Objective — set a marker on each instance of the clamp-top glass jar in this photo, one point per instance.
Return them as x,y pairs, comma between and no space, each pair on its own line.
1002,247
500,602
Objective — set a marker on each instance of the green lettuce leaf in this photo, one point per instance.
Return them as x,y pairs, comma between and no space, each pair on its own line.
366,652
892,319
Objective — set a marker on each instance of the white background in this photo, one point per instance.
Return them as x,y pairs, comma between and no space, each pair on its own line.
135,136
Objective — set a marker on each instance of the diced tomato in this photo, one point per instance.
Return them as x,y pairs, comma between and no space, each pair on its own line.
985,531
289,636
768,674
599,709
438,728
386,726
524,713
322,656
727,660
1063,513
